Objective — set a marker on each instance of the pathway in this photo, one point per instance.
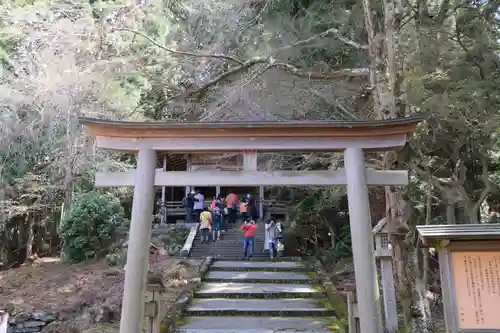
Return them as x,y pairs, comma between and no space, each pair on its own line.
259,296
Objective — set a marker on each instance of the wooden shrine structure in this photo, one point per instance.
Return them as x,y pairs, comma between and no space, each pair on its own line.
150,139
169,200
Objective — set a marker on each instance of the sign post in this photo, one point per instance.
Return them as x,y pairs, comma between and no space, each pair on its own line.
469,260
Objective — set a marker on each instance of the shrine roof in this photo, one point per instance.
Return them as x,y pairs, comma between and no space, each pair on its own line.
459,231
265,135
414,120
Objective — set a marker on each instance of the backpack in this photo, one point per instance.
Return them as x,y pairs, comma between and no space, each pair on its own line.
185,202
217,211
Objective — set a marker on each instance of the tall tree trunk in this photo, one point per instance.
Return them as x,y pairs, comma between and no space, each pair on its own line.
30,235
450,213
3,230
421,274
68,190
68,172
387,80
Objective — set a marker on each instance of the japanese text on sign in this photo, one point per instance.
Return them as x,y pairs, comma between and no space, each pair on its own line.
476,280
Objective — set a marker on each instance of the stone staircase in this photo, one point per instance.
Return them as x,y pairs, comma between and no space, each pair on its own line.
259,296
230,246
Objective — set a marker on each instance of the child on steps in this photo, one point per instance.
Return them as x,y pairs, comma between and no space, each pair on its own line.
205,225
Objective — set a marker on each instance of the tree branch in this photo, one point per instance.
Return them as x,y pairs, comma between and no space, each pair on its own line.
181,53
244,66
341,73
445,186
268,63
331,31
443,12
488,187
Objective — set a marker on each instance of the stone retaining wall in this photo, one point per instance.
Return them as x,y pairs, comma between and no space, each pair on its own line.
30,322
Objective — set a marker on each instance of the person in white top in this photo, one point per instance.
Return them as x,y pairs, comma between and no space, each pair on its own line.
199,204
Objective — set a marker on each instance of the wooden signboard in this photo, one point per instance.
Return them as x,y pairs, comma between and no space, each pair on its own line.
469,262
476,289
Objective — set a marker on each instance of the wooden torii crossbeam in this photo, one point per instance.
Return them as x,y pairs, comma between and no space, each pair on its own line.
246,178
353,138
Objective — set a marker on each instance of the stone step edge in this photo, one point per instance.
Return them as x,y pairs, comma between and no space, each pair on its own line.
263,313
274,260
258,281
246,330
262,269
274,295
229,256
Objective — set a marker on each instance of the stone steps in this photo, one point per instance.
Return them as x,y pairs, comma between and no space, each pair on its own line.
259,276
259,297
283,265
223,253
230,246
242,324
258,290
293,307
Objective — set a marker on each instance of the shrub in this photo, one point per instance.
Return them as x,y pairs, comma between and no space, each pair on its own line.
113,257
89,228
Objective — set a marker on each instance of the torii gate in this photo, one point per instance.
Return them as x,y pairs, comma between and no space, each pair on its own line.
353,137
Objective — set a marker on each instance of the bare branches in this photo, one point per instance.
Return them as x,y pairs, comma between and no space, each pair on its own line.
338,74
332,31
341,73
266,62
181,53
236,70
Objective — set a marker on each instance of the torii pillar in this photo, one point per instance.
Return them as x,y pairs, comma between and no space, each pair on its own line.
362,242
132,314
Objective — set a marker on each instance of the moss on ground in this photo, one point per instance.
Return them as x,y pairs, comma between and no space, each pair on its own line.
336,325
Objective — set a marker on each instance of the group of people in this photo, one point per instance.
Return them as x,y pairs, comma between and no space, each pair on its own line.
272,242
224,211
220,213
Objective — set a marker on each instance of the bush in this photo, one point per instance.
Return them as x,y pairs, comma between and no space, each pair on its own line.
113,257
89,228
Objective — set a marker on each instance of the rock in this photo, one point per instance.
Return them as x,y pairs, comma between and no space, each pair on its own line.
22,317
60,327
28,322
174,249
45,316
9,307
24,330
183,299
32,323
101,314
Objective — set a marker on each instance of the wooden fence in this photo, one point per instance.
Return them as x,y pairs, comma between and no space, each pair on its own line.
176,208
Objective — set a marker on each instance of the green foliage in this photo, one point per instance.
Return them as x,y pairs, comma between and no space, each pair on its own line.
174,237
318,222
89,227
343,245
113,257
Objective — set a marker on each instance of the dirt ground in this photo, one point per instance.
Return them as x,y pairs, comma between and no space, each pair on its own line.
80,292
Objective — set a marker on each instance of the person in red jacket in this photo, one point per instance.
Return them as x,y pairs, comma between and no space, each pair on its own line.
248,229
